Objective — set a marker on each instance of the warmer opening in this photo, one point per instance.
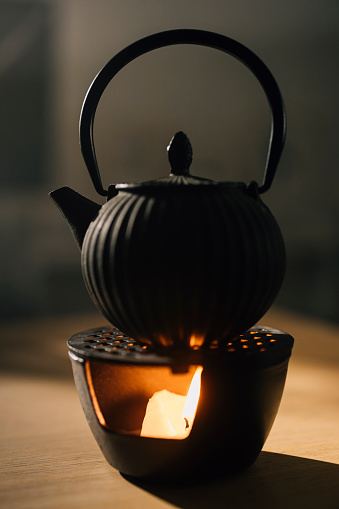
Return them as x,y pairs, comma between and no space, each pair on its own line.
149,401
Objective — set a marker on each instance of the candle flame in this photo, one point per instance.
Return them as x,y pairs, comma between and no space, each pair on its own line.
170,415
191,403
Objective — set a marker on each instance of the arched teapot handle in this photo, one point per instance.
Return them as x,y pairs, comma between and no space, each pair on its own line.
184,36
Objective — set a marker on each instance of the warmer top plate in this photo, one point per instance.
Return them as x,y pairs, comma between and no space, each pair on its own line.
259,346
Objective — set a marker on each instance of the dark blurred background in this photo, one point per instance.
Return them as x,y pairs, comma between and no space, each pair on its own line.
50,50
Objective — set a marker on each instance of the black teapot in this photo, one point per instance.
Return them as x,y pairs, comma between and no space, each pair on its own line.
179,261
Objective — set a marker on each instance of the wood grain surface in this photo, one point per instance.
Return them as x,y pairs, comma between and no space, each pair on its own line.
49,458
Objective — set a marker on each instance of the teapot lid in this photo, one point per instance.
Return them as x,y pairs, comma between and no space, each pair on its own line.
180,155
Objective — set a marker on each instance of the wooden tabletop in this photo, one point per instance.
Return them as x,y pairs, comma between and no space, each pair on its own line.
49,458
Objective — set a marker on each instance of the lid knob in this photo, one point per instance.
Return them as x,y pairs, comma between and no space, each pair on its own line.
180,154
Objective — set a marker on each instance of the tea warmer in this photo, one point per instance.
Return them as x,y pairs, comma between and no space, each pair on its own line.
183,268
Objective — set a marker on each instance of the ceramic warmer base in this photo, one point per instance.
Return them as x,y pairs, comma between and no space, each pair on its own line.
241,388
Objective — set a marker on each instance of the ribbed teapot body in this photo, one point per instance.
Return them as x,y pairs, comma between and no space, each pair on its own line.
184,266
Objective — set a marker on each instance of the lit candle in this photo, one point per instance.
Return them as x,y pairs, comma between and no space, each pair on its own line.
170,415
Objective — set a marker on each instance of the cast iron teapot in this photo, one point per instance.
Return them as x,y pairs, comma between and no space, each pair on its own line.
179,261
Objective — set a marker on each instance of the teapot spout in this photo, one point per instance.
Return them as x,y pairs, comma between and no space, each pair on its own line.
78,211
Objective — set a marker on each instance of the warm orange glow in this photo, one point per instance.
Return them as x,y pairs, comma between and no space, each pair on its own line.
96,406
196,341
170,415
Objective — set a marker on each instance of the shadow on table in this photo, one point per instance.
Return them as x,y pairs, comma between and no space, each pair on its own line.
275,481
